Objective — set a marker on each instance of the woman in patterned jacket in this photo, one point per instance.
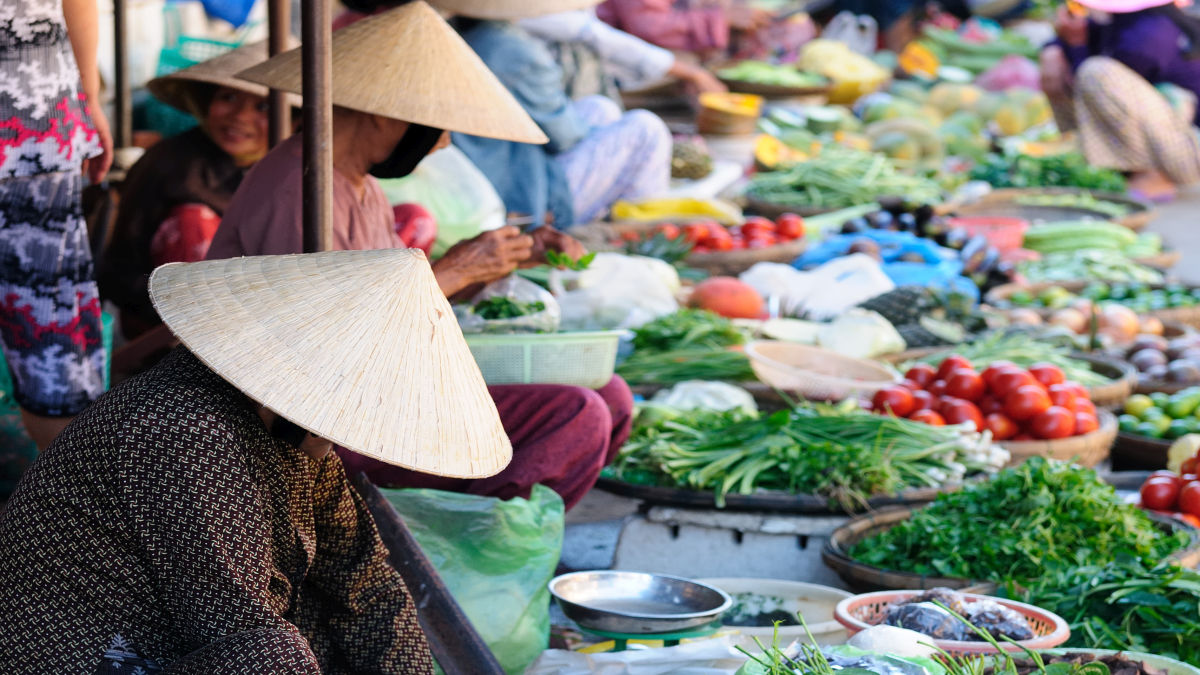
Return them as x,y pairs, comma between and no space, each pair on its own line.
51,127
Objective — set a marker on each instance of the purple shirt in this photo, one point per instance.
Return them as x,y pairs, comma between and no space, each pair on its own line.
1149,43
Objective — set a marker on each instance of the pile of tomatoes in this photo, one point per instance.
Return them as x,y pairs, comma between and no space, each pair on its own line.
1168,491
755,232
1011,402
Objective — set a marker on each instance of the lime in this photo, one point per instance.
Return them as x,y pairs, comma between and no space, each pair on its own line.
1160,399
1148,429
1176,429
1128,422
1137,404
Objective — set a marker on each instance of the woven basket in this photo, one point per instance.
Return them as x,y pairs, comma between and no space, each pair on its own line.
1132,452
1163,261
860,612
1087,450
721,122
998,297
773,210
814,373
733,263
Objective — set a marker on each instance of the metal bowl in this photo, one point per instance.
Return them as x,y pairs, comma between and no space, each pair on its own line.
637,602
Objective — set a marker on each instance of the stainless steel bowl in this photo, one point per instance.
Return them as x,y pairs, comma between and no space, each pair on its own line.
637,602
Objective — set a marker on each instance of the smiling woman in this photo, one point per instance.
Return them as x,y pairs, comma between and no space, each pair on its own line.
174,198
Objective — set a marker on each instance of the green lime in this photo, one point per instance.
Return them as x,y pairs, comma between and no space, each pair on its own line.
1128,422
1176,429
1160,399
1148,429
1153,415
1137,404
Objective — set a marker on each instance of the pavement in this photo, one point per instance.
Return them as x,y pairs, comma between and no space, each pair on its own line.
1179,225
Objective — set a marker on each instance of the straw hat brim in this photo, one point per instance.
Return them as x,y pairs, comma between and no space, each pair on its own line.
409,64
358,347
507,10
179,89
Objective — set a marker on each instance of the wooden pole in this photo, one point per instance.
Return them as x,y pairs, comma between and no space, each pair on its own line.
122,127
279,20
316,19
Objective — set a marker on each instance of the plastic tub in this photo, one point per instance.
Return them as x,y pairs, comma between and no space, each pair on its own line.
583,359
863,611
1006,234
814,602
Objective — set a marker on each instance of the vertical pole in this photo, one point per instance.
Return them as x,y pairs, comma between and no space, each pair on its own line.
123,106
316,17
279,19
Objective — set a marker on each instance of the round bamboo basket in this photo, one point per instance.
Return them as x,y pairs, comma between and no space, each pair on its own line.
1163,261
862,577
773,210
1086,450
733,263
1132,452
814,373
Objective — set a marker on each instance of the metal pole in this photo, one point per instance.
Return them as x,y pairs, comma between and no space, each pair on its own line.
122,104
316,18
279,19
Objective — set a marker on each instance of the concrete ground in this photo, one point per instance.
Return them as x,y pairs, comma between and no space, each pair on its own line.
1179,225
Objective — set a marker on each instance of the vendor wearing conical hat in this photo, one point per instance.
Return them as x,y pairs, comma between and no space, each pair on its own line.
392,102
194,520
173,197
1125,74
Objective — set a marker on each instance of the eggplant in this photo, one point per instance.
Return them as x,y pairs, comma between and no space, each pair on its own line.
907,222
923,214
892,203
956,238
973,253
883,220
855,225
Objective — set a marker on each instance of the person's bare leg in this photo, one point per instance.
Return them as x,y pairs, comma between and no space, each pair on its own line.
43,429
1152,185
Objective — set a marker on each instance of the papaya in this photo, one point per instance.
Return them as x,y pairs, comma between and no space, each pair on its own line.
728,297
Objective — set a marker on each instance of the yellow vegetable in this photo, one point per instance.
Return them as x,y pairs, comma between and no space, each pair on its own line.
681,208
917,59
1183,447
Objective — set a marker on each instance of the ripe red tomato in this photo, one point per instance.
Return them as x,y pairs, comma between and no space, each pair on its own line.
760,240
989,405
1190,465
668,230
1026,402
1009,381
1085,423
789,226
957,411
696,232
951,364
1053,422
922,373
937,387
929,417
1189,499
1001,427
1085,405
1062,395
995,368
722,243
1163,473
965,383
1047,374
896,400
922,400
1080,390
1161,494
757,225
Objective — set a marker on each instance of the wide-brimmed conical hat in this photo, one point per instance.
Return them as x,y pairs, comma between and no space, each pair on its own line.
409,64
179,89
510,9
358,347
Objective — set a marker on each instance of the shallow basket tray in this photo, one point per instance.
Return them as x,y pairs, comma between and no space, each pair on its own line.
1132,452
814,373
733,263
583,359
860,612
1086,450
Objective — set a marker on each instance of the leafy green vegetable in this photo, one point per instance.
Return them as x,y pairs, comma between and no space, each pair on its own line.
501,307
1126,604
688,328
1065,170
557,259
691,363
838,178
1036,519
844,455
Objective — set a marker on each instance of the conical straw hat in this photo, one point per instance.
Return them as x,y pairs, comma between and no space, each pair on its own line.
179,88
358,347
510,9
409,64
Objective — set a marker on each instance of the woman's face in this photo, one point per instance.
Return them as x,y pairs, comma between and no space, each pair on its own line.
237,122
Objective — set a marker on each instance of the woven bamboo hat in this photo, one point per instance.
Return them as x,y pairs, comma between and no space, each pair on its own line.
501,10
358,347
180,89
409,64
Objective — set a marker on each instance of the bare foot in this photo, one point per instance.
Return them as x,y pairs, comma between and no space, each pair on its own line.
1152,186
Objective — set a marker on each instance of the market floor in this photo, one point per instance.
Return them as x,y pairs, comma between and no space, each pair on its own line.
1179,225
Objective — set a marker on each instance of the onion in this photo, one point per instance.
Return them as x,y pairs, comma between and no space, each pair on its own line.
1024,317
1118,322
1151,325
1070,318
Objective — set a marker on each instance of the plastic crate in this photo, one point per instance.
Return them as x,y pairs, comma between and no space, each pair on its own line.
584,359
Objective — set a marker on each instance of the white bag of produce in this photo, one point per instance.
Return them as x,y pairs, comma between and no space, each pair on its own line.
862,334
616,292
701,394
892,640
510,305
823,292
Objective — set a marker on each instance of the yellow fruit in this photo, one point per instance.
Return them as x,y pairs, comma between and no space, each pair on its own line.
1010,120
737,104
949,97
917,59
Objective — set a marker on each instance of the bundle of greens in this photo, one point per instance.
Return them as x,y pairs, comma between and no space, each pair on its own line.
1037,519
688,328
1064,170
503,307
839,178
691,344
844,455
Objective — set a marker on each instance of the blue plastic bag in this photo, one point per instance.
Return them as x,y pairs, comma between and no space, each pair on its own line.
942,267
234,11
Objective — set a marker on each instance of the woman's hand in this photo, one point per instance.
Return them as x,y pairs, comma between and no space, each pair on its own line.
698,80
547,238
97,167
485,258
1071,28
1055,72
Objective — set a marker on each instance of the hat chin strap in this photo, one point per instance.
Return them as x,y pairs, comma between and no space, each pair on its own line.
414,145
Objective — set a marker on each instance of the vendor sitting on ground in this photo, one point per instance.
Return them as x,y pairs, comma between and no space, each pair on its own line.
596,154
1101,76
187,523
173,197
563,435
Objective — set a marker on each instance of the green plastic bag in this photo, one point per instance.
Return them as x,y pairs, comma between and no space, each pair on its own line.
496,557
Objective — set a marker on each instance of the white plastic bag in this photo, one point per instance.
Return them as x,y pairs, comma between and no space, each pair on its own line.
823,292
860,333
859,33
616,292
455,191
705,395
542,313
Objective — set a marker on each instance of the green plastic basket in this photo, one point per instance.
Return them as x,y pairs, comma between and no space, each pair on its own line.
584,359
